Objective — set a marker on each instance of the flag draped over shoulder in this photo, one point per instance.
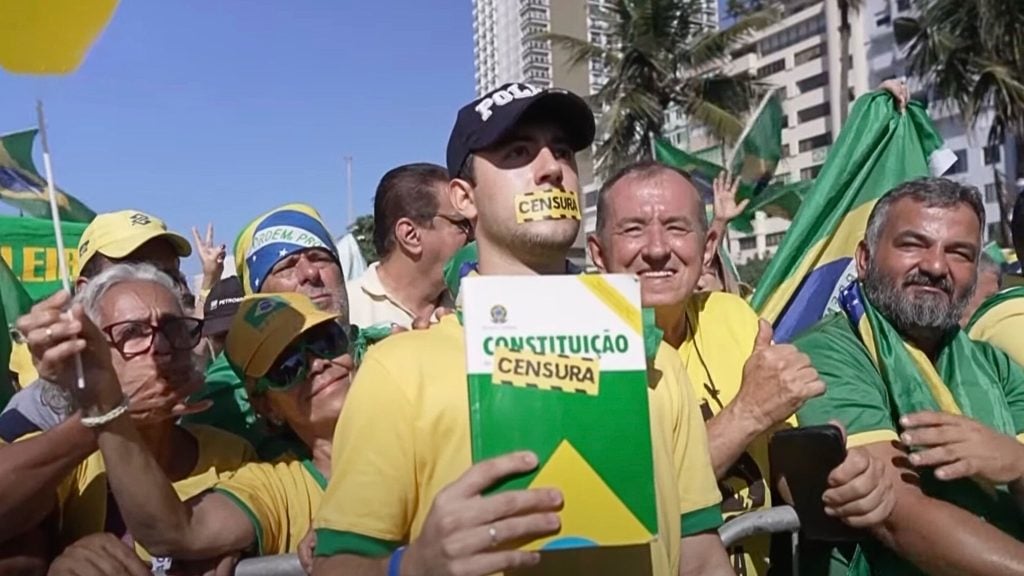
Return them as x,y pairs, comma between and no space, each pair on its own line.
878,149
29,248
22,187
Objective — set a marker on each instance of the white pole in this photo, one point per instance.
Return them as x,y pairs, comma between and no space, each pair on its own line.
348,183
62,259
749,127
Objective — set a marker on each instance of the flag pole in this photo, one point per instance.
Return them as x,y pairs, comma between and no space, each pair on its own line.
749,126
348,190
62,259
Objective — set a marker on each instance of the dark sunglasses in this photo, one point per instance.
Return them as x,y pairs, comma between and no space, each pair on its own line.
327,341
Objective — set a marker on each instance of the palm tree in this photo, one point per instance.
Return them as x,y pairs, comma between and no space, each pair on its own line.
362,230
971,53
663,54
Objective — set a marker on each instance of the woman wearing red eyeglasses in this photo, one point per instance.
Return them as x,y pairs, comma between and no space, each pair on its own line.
295,361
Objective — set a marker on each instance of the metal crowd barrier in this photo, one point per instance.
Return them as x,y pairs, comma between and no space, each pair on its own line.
282,565
777,519
772,520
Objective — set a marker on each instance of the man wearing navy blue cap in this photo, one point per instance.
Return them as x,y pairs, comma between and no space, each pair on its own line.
409,499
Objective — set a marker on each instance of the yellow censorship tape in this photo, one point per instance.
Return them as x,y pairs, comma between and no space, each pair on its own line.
556,372
547,205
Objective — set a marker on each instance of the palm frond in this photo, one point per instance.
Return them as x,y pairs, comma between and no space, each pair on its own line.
714,47
717,120
580,52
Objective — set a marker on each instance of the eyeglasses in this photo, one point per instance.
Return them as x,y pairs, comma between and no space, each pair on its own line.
327,341
463,224
135,337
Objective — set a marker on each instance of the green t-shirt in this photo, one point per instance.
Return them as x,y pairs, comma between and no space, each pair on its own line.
857,397
233,412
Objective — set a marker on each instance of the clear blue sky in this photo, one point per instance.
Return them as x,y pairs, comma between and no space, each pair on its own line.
201,111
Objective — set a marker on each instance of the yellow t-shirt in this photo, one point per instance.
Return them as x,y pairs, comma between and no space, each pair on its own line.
83,495
721,330
279,499
405,434
1002,326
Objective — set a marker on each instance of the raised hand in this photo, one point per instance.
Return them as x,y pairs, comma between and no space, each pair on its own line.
212,256
777,380
725,189
466,533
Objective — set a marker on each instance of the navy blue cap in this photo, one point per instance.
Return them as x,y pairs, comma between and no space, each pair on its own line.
485,121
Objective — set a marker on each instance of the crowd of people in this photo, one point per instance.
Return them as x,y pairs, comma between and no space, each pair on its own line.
282,411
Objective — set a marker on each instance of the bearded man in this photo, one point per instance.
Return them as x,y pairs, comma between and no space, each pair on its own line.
941,411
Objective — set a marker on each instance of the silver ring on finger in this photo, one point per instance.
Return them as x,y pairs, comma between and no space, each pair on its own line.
494,535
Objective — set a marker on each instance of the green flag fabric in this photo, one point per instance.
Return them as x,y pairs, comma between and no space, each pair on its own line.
761,149
29,248
776,199
878,149
874,377
14,302
22,187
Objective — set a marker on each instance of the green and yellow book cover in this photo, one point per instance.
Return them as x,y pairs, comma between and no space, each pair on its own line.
556,365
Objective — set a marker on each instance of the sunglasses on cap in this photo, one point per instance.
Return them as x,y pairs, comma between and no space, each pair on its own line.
326,341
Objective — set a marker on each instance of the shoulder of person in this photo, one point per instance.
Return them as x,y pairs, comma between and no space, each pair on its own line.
722,303
412,345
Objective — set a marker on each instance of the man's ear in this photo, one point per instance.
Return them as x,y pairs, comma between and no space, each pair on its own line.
596,250
862,256
710,244
462,195
408,235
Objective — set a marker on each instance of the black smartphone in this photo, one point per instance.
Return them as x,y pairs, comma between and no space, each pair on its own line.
803,458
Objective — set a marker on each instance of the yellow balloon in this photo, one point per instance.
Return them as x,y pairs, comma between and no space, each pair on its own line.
50,36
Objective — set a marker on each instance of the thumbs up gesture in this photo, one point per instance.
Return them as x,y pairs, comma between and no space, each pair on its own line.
777,380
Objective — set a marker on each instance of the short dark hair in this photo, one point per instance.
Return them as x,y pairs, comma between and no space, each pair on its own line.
1017,226
933,193
466,172
94,266
405,192
642,169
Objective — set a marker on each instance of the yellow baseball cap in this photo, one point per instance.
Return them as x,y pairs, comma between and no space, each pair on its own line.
118,234
264,326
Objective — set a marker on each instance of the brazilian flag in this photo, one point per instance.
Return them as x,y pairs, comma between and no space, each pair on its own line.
22,187
878,149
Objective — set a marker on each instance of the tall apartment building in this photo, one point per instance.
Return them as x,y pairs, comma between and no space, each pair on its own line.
504,52
801,55
975,161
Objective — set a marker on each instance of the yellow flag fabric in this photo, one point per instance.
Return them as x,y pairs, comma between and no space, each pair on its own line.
50,36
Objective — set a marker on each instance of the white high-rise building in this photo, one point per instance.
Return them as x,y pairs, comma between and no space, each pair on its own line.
975,161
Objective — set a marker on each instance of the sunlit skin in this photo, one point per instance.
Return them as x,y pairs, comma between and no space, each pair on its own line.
534,157
653,229
313,272
940,243
162,371
311,408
